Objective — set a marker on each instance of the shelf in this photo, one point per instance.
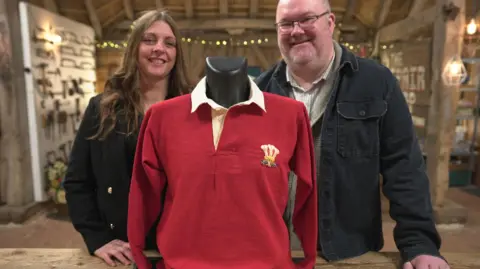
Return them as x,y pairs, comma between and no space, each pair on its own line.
465,117
471,60
469,89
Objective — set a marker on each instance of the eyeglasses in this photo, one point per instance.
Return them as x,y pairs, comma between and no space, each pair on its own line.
304,23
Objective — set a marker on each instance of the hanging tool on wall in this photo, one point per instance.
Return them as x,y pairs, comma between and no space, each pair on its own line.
56,72
70,37
74,125
70,51
78,112
71,63
49,123
82,81
63,149
62,118
45,54
43,78
77,88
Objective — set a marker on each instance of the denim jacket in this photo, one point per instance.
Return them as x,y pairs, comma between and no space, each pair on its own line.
367,131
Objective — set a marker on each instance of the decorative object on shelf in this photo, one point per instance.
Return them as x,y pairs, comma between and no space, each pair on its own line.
454,73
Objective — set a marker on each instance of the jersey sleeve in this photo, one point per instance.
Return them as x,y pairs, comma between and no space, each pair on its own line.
148,181
305,211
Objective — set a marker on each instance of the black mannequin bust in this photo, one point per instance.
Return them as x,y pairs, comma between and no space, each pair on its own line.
227,80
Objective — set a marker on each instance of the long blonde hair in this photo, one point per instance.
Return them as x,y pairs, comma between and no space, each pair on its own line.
121,94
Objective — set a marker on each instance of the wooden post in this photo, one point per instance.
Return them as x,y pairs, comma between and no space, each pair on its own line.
15,169
447,43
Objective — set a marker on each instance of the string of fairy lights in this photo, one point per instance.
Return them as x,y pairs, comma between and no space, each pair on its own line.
110,44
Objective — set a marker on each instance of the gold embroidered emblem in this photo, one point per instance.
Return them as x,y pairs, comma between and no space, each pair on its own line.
271,152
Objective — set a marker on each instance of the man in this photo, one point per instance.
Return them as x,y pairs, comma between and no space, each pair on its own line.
362,128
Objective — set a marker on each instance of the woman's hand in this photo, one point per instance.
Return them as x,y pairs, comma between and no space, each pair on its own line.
115,251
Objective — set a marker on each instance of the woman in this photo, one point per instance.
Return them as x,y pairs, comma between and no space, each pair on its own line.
98,177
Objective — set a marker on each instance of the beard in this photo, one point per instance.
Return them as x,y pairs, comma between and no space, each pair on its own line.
300,50
302,56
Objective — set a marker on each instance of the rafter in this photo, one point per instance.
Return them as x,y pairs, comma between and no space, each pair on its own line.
159,4
128,6
222,24
381,17
92,15
189,9
383,12
107,6
351,6
110,20
417,6
223,8
50,5
253,8
407,27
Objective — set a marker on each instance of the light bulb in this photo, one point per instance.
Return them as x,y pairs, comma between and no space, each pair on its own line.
472,27
455,68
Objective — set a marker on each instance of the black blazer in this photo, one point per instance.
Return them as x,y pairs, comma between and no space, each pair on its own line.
97,181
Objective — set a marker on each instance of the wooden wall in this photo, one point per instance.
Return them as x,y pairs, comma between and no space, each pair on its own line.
108,59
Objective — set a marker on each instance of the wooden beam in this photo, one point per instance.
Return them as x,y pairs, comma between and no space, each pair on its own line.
159,4
351,7
110,20
253,8
92,15
416,7
106,7
15,152
222,24
189,9
383,13
405,28
128,7
223,8
381,17
447,44
50,5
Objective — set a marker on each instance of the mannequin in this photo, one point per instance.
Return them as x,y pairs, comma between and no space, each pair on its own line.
229,170
227,80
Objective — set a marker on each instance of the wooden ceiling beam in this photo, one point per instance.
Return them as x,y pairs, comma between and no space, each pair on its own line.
128,7
381,17
253,8
221,24
92,15
189,9
107,6
351,7
112,19
50,5
407,27
73,11
416,7
383,13
223,8
159,4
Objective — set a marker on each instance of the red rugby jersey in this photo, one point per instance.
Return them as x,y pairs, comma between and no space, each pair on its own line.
223,208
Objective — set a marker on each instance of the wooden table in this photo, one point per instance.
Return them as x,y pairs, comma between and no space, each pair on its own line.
42,258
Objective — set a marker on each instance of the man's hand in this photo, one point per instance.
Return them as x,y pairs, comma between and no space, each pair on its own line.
426,262
115,251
